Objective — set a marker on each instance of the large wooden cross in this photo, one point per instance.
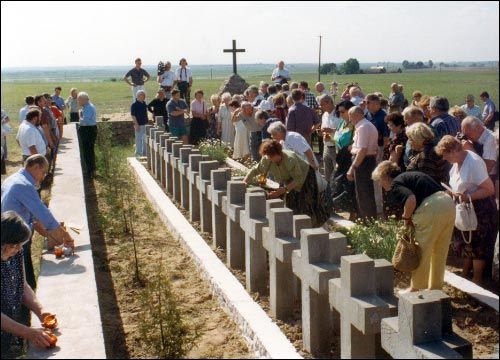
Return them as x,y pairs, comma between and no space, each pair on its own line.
234,50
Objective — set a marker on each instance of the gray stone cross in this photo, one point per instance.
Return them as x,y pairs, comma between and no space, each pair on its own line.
194,194
279,239
363,295
423,329
252,220
148,146
167,157
183,170
217,190
205,167
235,248
317,261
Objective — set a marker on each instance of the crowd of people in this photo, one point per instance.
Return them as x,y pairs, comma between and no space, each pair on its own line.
23,211
378,156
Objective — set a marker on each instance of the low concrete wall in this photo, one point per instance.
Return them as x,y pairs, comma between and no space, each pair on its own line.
123,131
67,287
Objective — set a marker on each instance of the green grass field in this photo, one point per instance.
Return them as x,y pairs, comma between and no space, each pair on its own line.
112,97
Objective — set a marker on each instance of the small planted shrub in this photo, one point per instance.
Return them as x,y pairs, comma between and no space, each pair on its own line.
162,325
375,238
215,149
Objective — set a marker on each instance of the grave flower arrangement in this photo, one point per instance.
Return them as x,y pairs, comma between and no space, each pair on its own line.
215,149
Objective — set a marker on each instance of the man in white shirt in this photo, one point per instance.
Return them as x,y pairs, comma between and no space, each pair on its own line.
280,75
364,150
329,124
184,80
470,108
293,141
29,136
320,90
477,133
166,80
30,101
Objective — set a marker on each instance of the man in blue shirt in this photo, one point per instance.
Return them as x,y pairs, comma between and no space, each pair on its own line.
377,118
87,134
441,122
139,112
489,111
176,108
19,194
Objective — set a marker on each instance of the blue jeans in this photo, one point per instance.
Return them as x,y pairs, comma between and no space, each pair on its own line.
140,141
255,141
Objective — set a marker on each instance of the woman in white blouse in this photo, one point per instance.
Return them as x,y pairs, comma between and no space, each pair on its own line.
470,181
227,134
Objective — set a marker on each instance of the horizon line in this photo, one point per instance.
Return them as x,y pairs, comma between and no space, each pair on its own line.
242,64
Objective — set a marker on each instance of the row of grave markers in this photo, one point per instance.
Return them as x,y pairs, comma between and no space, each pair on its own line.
348,295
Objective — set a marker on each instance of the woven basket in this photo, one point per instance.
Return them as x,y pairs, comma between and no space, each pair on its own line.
407,255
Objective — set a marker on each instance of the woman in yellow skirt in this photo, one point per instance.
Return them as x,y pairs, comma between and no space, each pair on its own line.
432,212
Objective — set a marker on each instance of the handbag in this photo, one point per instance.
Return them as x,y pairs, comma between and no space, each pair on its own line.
321,181
465,218
407,255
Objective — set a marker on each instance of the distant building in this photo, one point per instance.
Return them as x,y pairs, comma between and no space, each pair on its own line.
376,70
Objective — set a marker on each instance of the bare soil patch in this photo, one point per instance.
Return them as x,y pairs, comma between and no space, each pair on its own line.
119,295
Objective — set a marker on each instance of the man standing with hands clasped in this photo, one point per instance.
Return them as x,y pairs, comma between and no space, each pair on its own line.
138,75
364,152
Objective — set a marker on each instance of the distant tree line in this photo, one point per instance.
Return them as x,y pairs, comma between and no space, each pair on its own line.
351,66
417,65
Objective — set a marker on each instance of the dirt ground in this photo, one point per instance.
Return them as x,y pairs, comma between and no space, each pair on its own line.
119,297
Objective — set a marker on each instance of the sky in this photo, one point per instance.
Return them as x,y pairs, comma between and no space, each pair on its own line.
105,34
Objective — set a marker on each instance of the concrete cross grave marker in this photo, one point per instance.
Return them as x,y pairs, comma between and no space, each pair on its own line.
157,169
235,246
356,297
194,194
174,158
183,169
167,154
159,122
317,261
252,220
422,329
205,167
218,189
150,144
279,241
148,148
163,174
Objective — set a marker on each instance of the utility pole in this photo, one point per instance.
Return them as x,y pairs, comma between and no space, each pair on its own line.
319,60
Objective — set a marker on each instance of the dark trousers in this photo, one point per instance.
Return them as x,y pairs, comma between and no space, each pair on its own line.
87,136
255,141
73,117
365,195
183,87
28,265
